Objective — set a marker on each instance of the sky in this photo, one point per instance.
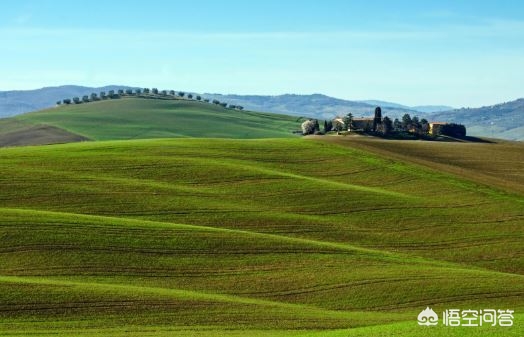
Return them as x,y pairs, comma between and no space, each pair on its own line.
452,52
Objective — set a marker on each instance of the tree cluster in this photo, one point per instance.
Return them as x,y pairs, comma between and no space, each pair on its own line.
310,127
453,130
93,97
348,121
421,127
407,126
338,126
411,124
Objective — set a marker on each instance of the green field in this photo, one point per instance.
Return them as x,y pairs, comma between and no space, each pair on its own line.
491,162
266,237
140,118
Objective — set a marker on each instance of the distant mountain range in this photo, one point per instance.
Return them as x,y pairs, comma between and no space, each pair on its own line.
504,120
418,108
20,101
315,106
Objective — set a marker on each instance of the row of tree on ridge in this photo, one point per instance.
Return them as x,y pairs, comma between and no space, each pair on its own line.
146,92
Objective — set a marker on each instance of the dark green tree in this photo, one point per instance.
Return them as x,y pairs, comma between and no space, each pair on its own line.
317,126
424,126
453,130
415,124
377,120
387,126
329,125
348,121
406,122
397,125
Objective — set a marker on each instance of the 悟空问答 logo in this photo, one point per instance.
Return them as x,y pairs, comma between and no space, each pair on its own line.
427,317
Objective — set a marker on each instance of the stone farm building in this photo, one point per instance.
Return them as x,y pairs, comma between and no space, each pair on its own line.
373,124
362,124
359,124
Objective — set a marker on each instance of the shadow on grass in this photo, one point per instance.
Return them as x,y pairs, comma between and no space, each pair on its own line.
412,136
477,140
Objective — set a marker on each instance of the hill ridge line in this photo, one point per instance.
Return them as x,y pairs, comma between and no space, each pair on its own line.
238,163
182,293
396,256
180,187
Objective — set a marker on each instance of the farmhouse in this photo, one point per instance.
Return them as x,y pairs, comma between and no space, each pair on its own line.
362,124
435,128
385,125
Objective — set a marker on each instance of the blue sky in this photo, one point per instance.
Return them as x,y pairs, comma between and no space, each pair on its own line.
460,53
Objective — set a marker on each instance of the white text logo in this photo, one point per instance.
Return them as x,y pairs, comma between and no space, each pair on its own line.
467,317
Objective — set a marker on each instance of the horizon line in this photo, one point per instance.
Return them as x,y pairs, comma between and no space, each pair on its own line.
265,95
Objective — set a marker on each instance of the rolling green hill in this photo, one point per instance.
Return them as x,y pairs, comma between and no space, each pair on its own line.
15,132
140,118
496,163
269,237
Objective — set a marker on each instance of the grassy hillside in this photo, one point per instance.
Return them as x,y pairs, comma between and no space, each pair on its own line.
203,237
496,162
15,132
140,118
